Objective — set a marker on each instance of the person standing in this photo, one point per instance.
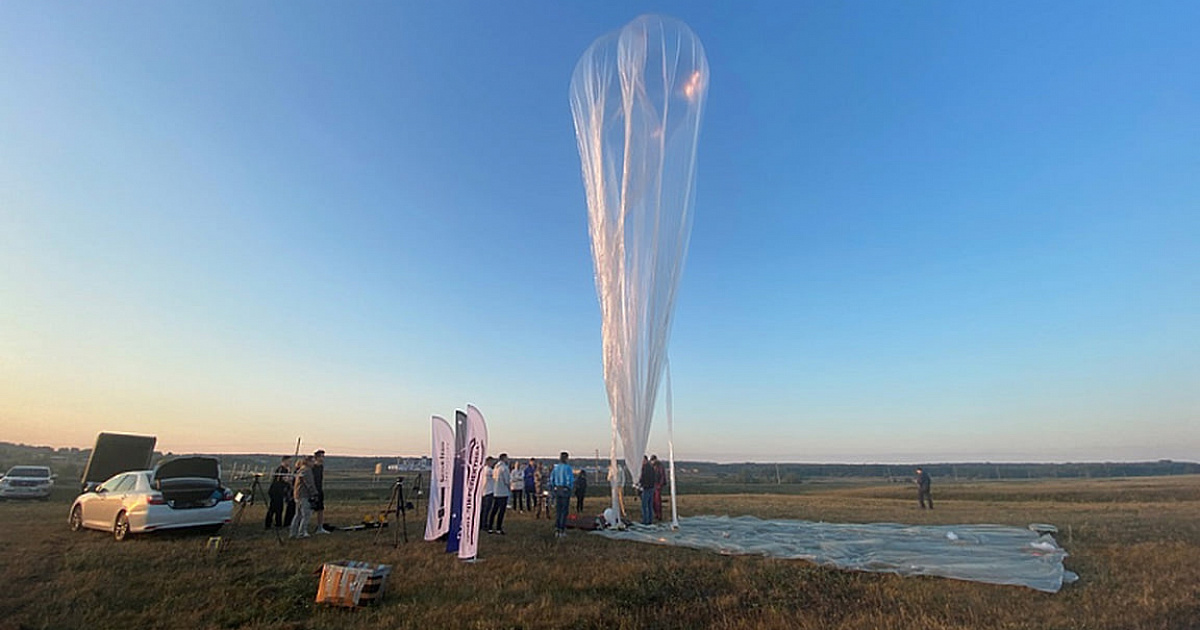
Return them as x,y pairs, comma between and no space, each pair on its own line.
518,486
617,477
503,481
660,478
646,481
304,491
289,512
277,492
489,494
923,494
562,480
531,487
580,490
318,474
545,491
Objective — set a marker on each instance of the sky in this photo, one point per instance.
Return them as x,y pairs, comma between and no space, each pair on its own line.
935,231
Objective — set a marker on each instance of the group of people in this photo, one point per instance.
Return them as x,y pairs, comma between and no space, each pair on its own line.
651,481
529,487
297,495
297,492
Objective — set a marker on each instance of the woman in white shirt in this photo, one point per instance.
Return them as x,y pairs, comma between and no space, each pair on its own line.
518,487
502,489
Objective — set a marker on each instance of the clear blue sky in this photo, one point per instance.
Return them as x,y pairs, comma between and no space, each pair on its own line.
923,231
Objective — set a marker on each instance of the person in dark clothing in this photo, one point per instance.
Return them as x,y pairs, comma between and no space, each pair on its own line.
531,485
580,491
660,478
923,493
647,480
277,493
289,511
489,495
318,472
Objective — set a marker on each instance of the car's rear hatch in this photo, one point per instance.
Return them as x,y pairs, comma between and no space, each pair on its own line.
117,453
189,482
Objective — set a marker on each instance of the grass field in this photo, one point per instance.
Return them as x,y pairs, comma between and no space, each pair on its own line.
1135,544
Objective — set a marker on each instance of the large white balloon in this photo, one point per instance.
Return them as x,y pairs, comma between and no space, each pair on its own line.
637,96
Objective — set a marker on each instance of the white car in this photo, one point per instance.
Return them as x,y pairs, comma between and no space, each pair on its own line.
26,482
180,493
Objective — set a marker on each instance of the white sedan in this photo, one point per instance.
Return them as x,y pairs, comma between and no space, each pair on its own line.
184,492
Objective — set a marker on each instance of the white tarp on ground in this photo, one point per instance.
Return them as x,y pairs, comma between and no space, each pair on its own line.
995,554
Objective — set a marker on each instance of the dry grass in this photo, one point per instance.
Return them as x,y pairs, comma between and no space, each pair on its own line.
1135,544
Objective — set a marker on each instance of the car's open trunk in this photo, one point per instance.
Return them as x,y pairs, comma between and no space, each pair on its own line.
189,482
117,453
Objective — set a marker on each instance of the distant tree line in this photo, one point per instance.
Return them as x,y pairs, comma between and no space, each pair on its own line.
753,472
68,463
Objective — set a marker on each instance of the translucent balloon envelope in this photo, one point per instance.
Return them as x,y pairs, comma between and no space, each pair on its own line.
637,97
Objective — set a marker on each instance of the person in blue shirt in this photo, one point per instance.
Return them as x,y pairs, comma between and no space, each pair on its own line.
562,480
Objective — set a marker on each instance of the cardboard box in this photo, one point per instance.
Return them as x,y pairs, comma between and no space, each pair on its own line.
352,583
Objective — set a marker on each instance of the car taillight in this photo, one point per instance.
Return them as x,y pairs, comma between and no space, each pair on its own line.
156,499
228,496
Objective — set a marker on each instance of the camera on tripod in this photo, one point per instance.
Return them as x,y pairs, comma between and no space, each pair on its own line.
399,508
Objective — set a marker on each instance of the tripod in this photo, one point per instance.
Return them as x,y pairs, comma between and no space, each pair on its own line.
245,500
398,506
417,496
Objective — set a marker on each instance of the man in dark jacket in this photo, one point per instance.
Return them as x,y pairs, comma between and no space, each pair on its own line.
580,490
647,480
532,490
278,491
318,472
923,493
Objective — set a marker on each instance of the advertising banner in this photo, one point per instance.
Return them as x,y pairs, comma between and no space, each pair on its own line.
456,492
475,454
437,521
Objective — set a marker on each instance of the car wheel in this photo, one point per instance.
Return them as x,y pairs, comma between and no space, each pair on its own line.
121,527
76,518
